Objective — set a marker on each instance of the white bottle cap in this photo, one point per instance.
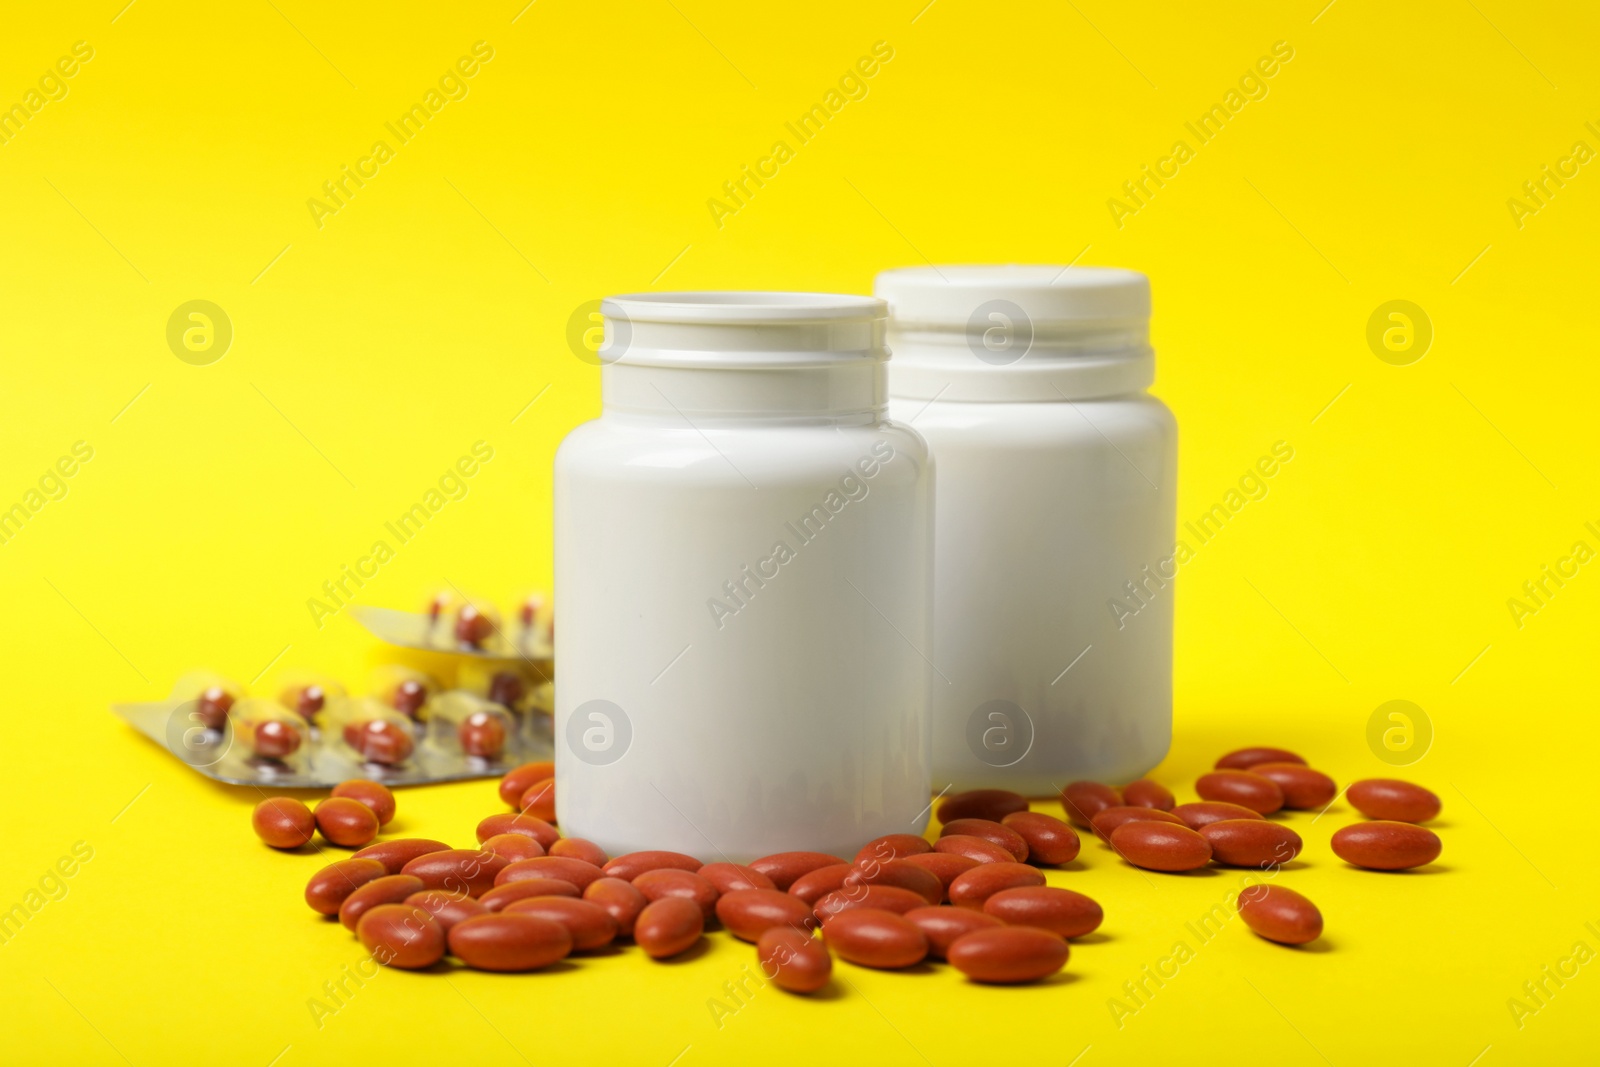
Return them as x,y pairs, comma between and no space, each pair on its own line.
1015,332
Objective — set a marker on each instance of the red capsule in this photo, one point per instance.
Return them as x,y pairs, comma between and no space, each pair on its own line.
975,848
945,866
1393,800
328,888
1061,911
473,627
814,885
506,942
748,913
346,822
1280,914
900,874
540,800
1159,846
872,937
970,890
728,877
516,781
988,830
507,689
459,870
482,734
514,847
214,705
1106,821
283,822
379,741
1050,841
1206,812
893,847
671,882
275,739
1082,801
447,909
878,897
526,825
785,867
1242,759
993,804
1147,794
409,697
390,889
402,935
577,872
579,849
590,925
669,926
1244,788
1251,842
793,959
502,896
1303,788
1009,955
374,795
621,901
943,924
307,701
394,855
1386,846
632,864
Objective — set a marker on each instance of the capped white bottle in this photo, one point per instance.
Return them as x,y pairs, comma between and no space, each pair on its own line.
1055,519
743,565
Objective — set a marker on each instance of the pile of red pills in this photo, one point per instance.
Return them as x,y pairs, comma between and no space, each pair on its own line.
975,897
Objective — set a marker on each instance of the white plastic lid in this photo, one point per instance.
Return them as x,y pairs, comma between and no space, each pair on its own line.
731,329
1046,294
1009,333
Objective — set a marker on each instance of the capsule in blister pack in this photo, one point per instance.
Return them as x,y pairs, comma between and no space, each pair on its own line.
470,628
404,689
373,731
521,689
274,736
433,735
468,724
308,694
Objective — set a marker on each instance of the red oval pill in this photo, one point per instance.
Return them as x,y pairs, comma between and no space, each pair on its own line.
1082,801
1061,911
1251,842
994,804
1393,800
793,959
402,935
941,925
1386,846
668,926
507,942
872,937
1050,841
1244,788
1280,914
1159,846
1242,759
1008,955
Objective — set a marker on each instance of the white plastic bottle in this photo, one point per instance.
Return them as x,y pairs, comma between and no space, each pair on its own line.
743,566
1055,524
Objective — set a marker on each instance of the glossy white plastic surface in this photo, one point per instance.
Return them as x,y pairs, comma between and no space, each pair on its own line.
743,555
1055,524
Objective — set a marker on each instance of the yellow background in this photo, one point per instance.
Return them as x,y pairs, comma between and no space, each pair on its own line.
431,310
